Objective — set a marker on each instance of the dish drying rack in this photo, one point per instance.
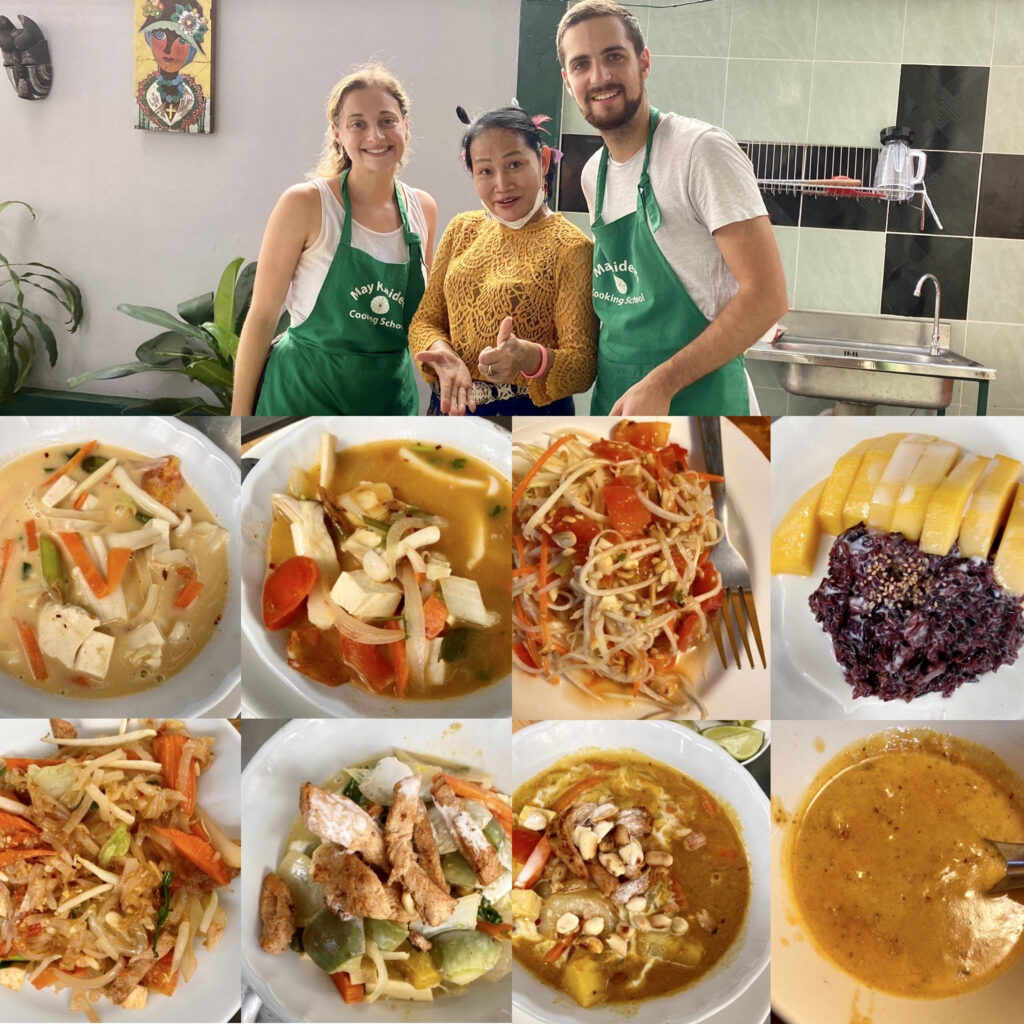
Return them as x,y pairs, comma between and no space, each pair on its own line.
838,171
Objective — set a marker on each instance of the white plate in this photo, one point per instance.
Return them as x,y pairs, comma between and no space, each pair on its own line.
728,693
211,675
807,679
806,987
535,748
300,447
313,750
213,992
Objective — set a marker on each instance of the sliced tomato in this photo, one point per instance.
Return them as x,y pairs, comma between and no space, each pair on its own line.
582,527
524,654
613,451
286,588
435,616
648,436
705,581
369,662
523,842
672,458
627,512
317,653
163,479
689,626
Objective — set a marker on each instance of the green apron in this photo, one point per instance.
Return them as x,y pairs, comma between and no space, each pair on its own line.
350,356
645,311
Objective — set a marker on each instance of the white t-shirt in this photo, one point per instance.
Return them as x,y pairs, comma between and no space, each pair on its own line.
387,246
702,181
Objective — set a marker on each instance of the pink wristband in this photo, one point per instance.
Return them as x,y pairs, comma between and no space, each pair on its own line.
543,365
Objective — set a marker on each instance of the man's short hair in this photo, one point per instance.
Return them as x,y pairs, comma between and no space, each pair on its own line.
587,9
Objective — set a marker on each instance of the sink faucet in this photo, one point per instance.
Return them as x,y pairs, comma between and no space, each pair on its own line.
935,347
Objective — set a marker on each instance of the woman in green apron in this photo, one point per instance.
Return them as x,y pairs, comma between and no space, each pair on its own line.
646,313
346,254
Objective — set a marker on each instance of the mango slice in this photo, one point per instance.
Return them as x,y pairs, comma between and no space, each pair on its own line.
837,486
795,540
897,472
930,471
989,506
1009,562
946,508
858,501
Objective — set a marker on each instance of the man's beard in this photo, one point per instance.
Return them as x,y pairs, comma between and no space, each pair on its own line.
631,104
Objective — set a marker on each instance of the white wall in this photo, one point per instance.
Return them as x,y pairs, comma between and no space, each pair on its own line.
153,218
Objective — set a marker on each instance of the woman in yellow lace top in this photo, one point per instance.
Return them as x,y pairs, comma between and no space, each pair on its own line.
506,326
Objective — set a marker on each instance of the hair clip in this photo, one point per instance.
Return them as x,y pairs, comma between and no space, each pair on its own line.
460,113
539,121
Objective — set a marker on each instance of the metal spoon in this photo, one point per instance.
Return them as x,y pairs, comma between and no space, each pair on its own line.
1013,854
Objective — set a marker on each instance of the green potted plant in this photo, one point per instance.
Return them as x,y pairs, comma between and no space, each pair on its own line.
22,327
200,343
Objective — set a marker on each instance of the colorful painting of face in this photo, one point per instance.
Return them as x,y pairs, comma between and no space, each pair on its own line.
174,66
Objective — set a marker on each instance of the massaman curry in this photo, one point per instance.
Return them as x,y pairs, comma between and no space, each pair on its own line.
113,573
889,863
388,563
632,880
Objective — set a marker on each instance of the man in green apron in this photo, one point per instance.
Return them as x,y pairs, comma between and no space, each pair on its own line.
350,356
687,274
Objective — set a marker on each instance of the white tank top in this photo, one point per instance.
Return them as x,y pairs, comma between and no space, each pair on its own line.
387,246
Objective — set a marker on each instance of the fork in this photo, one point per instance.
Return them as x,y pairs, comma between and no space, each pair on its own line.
738,612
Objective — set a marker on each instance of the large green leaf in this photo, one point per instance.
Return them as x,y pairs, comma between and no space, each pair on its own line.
243,295
198,310
166,348
71,290
209,371
227,341
224,300
161,318
8,367
121,370
45,333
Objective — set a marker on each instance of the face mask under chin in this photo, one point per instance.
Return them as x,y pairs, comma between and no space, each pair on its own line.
525,219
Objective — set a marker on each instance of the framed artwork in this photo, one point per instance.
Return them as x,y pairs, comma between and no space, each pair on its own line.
174,66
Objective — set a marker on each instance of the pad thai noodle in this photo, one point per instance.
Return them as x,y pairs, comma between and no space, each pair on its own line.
109,868
612,579
394,880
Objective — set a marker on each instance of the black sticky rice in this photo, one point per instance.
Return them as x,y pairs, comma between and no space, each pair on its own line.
904,623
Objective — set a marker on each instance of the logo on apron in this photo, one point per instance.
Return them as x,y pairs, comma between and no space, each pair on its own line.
380,304
623,278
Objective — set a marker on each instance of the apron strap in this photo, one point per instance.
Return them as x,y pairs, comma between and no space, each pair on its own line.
645,199
412,238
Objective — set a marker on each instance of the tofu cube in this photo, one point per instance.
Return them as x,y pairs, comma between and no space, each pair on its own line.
13,977
136,999
144,646
58,491
62,629
93,656
365,598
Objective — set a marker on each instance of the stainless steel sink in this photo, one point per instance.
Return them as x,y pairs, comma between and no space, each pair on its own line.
868,360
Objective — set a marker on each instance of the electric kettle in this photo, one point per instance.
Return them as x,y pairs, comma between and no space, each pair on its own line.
899,167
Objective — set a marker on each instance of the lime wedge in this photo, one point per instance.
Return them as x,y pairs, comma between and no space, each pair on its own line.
739,740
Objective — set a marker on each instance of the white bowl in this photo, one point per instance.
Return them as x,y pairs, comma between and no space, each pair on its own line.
537,747
300,447
313,750
211,675
808,988
213,993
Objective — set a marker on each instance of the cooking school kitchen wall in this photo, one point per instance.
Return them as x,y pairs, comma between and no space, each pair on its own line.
151,218
830,72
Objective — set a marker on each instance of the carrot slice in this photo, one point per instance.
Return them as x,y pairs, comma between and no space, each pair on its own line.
168,748
561,946
532,471
81,558
31,537
535,864
435,616
400,659
568,798
200,853
160,977
471,791
117,563
498,931
5,556
349,992
15,823
21,763
80,501
13,856
70,464
33,653
188,594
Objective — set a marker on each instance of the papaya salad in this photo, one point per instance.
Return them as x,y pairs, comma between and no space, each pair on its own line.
394,881
110,870
612,582
387,563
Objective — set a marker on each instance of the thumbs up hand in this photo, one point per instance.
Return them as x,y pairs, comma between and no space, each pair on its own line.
509,356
